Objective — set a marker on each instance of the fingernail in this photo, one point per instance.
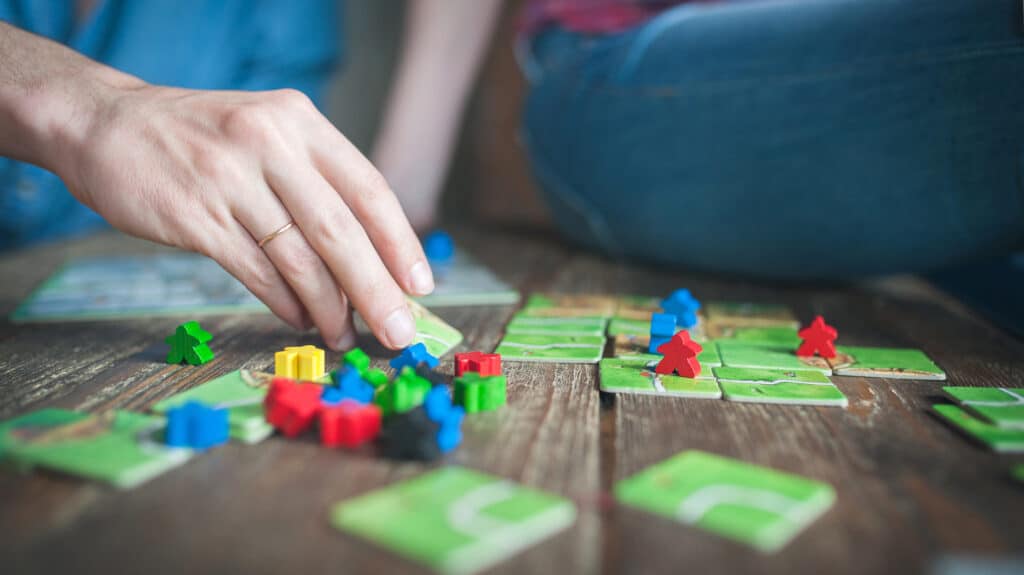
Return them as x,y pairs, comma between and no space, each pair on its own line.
399,328
346,341
422,278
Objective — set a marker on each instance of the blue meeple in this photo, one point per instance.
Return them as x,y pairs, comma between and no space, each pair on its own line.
663,327
348,384
683,306
196,426
439,408
439,247
413,356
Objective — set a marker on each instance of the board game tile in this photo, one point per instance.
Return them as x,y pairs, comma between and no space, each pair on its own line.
121,448
432,331
742,354
137,286
455,520
626,326
569,305
1000,406
551,348
893,363
995,438
795,387
241,392
781,336
758,506
721,313
556,325
619,375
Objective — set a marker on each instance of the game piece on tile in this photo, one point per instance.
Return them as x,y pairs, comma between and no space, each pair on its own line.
477,392
893,363
189,344
995,438
818,339
767,356
120,448
439,247
477,362
680,356
413,356
549,348
304,362
655,343
758,506
433,332
349,424
376,377
454,520
196,426
291,407
526,324
356,358
663,325
637,375
637,347
240,393
683,306
1001,406
437,402
439,408
410,435
404,393
348,384
794,387
449,437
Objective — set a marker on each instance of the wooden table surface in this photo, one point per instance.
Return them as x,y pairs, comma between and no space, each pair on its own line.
910,489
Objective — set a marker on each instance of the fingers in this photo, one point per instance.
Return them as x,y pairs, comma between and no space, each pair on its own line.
340,239
368,196
300,267
241,258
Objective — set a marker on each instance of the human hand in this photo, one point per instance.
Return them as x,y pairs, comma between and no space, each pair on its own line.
215,172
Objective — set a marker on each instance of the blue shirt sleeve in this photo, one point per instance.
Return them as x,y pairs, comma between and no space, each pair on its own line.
294,44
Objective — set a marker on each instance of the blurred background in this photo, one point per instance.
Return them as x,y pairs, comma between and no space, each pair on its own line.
488,154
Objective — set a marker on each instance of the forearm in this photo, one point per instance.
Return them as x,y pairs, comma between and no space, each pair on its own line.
49,96
445,42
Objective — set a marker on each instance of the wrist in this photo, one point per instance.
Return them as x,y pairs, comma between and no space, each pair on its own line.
78,105
50,118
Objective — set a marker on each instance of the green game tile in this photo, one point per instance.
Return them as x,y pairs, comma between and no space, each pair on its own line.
995,438
758,506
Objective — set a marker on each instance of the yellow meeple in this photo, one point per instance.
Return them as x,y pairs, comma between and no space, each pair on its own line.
300,362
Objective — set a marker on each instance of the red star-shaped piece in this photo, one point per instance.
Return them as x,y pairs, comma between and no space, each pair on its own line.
818,338
477,362
680,356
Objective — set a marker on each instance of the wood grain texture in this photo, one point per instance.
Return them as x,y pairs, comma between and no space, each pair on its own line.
909,488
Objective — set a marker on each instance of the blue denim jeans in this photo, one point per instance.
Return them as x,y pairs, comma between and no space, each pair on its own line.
787,139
